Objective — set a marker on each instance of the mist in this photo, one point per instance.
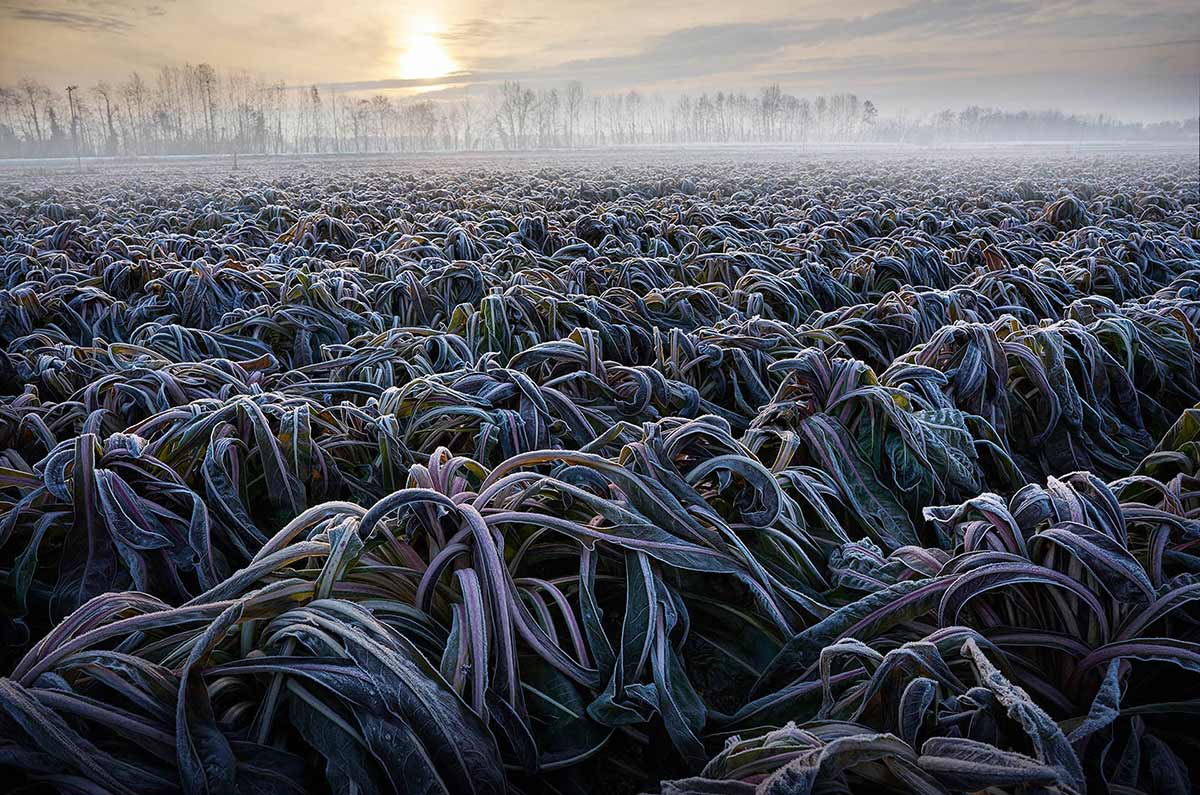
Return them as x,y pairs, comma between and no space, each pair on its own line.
199,110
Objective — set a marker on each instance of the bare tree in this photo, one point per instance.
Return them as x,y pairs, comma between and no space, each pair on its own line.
515,105
105,92
573,97
315,104
36,96
207,80
74,123
134,93
382,107
336,122
771,105
468,109
633,116
546,111
10,107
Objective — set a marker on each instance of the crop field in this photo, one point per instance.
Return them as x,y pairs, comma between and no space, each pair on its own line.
687,473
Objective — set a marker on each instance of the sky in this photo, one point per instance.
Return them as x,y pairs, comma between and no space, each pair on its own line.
1137,61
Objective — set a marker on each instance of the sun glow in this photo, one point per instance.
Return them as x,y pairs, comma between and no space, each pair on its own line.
423,57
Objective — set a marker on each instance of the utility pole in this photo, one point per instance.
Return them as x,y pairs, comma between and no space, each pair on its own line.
75,126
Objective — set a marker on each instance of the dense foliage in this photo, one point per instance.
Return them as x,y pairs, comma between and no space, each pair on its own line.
705,478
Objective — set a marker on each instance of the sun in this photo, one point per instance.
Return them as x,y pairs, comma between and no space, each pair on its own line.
423,56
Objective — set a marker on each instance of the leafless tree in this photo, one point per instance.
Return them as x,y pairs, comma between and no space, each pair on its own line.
36,96
574,106
105,92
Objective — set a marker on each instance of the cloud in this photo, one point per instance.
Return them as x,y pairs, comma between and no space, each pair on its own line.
817,73
457,78
704,50
479,31
74,20
1141,46
87,16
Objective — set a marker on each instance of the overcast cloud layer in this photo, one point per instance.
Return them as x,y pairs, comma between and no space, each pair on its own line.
1137,61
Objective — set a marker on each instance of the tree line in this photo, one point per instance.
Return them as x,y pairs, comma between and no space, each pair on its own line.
197,109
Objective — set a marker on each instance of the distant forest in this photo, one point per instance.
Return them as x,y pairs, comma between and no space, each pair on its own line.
200,110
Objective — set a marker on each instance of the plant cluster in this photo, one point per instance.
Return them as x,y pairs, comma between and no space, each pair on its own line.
832,477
